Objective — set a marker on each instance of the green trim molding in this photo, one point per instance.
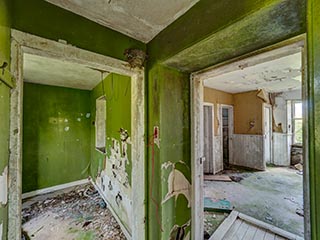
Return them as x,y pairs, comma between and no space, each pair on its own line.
313,36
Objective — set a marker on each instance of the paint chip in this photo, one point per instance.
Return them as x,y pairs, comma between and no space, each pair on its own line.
67,128
4,186
88,115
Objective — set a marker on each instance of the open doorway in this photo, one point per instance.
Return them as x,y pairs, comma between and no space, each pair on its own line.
66,87
261,184
226,116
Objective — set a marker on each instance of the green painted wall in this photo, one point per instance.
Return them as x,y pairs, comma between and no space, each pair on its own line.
41,18
313,85
112,171
215,32
168,109
200,38
5,22
56,136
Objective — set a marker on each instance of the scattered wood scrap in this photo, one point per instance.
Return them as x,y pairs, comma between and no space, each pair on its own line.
220,178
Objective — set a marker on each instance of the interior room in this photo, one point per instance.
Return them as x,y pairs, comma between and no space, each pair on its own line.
102,107
67,130
253,144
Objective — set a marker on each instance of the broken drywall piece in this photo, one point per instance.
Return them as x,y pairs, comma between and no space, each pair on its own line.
1,230
178,184
263,95
4,187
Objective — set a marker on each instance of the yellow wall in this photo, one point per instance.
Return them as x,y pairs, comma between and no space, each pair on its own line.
247,107
217,97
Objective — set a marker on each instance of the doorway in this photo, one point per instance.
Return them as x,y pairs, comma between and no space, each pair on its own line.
253,132
227,133
23,43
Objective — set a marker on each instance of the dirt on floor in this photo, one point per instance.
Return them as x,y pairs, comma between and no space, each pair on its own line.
77,214
274,196
212,220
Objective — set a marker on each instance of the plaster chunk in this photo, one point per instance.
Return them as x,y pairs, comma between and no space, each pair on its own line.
4,187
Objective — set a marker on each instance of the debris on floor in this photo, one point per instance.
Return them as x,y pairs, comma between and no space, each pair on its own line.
223,178
221,205
272,196
236,178
78,214
212,221
296,154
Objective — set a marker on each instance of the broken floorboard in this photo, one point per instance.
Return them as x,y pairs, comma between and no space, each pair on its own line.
241,226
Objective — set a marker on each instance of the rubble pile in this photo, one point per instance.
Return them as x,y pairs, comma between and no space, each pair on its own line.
84,207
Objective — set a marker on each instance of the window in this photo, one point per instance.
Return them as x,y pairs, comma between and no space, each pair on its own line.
297,121
101,112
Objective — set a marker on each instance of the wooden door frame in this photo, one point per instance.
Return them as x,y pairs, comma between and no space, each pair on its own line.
27,43
278,50
230,120
212,143
266,105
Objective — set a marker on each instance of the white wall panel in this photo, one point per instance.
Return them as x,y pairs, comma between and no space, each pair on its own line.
248,151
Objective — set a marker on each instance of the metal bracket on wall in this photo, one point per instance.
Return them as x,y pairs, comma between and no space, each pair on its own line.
5,75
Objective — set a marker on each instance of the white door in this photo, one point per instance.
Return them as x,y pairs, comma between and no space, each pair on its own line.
267,134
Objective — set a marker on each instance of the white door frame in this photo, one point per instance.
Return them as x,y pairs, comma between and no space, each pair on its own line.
212,109
265,105
26,43
293,45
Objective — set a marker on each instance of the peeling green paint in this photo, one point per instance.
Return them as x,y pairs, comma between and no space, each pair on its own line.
108,170
4,150
5,23
169,108
211,32
56,145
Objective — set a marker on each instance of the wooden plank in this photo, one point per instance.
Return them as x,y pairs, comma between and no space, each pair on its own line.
280,238
269,227
260,233
250,232
269,236
241,231
220,178
225,226
233,229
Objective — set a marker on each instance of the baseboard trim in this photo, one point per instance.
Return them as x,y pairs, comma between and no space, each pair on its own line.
54,188
123,228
